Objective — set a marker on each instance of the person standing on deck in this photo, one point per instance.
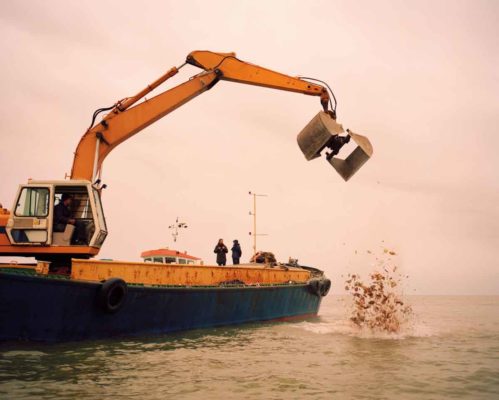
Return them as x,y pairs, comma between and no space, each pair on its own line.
221,251
236,252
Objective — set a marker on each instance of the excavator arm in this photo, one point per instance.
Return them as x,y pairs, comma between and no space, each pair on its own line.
124,121
239,71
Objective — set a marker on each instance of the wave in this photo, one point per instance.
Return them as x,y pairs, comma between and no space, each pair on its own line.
346,327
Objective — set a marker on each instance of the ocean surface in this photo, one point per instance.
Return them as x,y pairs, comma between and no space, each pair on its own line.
449,349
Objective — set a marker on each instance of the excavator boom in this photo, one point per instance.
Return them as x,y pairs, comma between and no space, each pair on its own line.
119,126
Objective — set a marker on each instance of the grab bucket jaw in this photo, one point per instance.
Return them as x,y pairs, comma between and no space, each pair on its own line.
323,131
357,158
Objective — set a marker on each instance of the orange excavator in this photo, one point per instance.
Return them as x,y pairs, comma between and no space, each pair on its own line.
28,229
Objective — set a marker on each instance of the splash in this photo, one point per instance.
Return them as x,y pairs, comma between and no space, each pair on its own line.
377,303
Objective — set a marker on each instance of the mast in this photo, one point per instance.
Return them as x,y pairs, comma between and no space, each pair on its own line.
254,233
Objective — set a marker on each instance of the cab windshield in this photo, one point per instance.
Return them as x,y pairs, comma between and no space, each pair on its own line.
100,212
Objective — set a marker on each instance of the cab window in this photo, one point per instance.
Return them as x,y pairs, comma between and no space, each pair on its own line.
81,211
33,202
100,213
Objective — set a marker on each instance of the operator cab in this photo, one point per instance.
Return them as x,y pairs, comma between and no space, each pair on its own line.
32,221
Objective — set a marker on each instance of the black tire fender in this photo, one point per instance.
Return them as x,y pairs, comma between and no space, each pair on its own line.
314,286
112,295
325,287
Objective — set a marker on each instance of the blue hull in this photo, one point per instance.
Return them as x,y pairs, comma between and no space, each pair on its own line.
54,310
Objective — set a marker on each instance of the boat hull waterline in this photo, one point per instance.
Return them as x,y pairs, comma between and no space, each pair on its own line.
44,308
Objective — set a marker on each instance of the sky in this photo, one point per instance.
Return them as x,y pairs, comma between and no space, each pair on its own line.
420,79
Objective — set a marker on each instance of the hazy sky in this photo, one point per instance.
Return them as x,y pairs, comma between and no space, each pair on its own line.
420,79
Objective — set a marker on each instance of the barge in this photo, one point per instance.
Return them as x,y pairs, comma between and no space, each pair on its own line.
102,299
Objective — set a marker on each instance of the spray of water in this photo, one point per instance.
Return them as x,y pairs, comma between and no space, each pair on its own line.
377,302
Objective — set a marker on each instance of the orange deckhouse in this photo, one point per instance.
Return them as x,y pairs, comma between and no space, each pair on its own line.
168,256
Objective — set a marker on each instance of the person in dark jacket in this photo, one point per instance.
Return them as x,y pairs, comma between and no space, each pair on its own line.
221,251
236,252
62,214
62,217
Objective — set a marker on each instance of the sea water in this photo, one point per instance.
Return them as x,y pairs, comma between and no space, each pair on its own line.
449,349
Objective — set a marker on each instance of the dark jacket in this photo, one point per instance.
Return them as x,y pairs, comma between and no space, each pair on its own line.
221,250
236,251
62,215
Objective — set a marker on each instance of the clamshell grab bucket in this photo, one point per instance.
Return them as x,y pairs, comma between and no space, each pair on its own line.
323,131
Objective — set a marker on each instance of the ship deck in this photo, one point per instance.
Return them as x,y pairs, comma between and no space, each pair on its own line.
176,274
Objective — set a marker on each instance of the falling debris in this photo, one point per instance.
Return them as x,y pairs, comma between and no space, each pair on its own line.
377,304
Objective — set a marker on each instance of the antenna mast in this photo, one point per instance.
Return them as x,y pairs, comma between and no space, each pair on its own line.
175,228
254,233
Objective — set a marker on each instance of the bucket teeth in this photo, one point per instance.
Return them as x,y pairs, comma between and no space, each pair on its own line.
321,132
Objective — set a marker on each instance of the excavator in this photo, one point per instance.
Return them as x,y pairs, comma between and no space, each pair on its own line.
28,228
